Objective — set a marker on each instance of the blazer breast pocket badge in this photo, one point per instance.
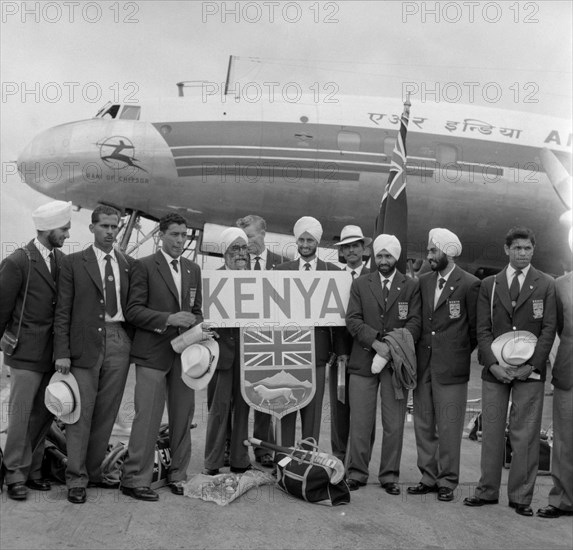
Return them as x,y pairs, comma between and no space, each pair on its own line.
537,309
402,310
455,309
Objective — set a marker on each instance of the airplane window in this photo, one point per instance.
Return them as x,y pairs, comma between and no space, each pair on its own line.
130,112
111,112
348,141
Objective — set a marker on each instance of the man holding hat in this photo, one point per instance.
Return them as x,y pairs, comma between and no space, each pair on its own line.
352,247
516,322
165,299
449,301
92,341
224,391
380,303
28,290
307,233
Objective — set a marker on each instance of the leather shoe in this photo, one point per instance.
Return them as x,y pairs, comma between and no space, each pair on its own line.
208,472
77,495
237,470
521,509
391,488
39,484
176,488
266,461
421,489
552,512
354,484
17,491
140,493
476,501
445,494
104,484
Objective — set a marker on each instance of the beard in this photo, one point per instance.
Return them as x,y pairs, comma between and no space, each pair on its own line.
440,264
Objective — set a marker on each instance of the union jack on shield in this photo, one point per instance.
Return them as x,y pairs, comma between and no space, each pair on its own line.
277,368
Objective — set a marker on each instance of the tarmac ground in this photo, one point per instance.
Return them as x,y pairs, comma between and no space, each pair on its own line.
266,517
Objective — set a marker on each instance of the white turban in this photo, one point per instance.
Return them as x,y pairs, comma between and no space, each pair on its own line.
388,242
308,224
52,215
230,235
446,241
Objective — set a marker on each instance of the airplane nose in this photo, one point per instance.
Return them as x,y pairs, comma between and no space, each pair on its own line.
44,163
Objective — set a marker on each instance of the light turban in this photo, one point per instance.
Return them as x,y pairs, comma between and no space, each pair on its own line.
52,215
230,235
388,242
310,225
446,241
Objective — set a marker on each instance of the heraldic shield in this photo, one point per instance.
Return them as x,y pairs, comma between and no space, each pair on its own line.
278,374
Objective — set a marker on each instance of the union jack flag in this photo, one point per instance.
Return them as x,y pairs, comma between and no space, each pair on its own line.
277,347
393,215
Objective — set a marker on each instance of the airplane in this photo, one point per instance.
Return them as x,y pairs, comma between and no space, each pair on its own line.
213,158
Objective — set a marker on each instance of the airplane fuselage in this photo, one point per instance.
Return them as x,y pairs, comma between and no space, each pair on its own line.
476,171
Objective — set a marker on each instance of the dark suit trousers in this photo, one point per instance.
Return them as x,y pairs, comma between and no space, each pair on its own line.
363,396
28,424
310,416
340,416
524,428
225,388
151,386
101,389
561,494
439,414
263,429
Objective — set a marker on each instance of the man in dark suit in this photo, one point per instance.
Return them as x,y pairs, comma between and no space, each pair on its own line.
228,417
519,298
561,494
31,364
91,340
449,301
379,303
164,298
261,258
307,233
352,247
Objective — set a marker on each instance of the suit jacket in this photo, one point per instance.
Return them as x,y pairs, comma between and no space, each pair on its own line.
35,346
534,311
563,369
273,260
323,340
448,330
79,323
152,298
367,320
342,338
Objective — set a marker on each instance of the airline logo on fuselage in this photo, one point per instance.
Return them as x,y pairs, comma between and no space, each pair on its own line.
118,152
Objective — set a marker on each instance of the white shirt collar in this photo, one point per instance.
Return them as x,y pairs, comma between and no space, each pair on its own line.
45,252
313,264
446,276
357,270
390,279
511,271
169,259
263,258
100,254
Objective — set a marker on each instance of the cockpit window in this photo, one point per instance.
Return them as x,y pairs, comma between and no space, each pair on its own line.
130,112
108,111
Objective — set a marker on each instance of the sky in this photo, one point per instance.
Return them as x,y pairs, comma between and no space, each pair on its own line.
61,61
